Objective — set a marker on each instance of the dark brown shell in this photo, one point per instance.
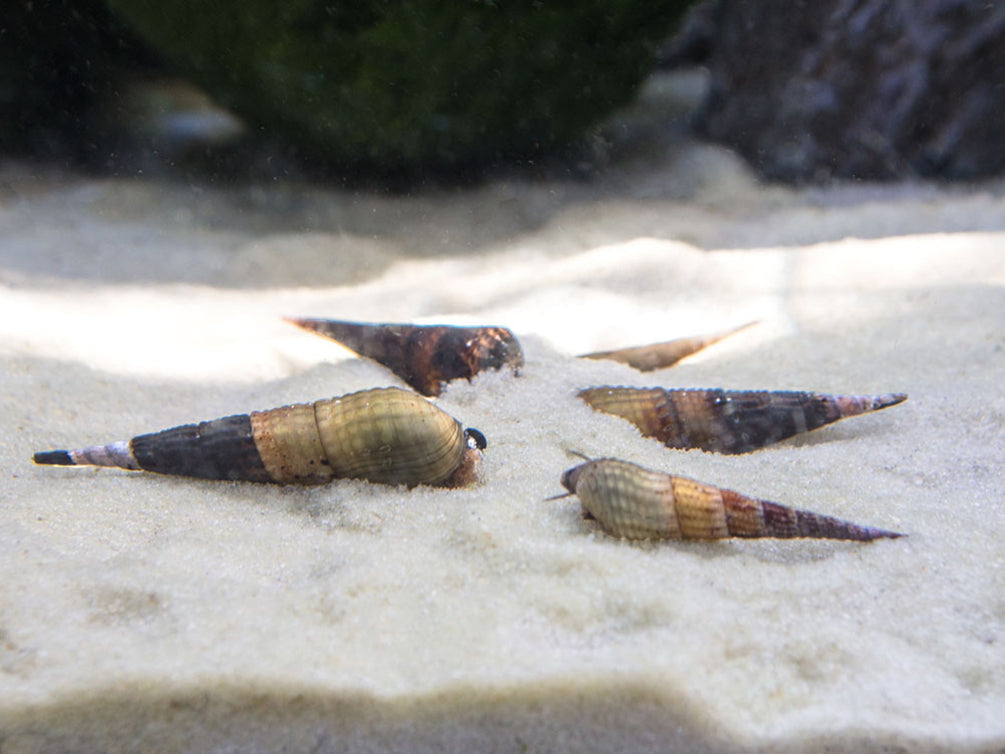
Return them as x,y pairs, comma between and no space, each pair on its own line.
632,502
424,356
661,355
385,435
728,421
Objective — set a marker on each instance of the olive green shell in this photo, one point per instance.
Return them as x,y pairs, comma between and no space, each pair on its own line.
386,435
633,502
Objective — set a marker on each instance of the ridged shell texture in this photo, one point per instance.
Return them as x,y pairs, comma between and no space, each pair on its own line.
633,502
385,435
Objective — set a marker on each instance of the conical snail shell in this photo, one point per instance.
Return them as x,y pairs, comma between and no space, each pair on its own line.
661,355
384,435
632,502
424,356
728,421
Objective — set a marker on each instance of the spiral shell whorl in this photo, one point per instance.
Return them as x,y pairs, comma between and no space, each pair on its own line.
391,436
290,445
643,407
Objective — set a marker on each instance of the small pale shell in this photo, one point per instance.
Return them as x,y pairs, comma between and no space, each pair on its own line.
383,435
424,356
728,421
632,502
661,355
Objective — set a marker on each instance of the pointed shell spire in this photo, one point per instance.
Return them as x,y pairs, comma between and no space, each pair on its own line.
424,356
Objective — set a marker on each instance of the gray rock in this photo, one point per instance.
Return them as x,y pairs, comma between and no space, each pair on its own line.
875,89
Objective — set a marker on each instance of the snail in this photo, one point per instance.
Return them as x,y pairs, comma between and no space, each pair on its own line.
424,356
632,502
660,355
728,421
386,435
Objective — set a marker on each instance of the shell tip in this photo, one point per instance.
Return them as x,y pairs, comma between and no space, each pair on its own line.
853,405
54,458
880,534
891,400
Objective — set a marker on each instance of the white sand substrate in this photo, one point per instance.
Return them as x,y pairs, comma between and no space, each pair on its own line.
146,613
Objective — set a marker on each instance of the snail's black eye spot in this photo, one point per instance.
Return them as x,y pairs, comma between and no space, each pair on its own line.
476,439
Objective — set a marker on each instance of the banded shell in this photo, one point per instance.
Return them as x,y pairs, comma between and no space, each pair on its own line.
632,502
660,355
728,421
385,435
424,356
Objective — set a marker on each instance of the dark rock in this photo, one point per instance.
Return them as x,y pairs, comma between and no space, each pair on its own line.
692,43
61,61
409,84
876,89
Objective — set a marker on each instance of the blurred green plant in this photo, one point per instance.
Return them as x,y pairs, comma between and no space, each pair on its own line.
407,84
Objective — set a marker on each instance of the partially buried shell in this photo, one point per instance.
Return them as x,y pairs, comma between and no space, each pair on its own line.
632,502
384,435
424,356
728,421
660,355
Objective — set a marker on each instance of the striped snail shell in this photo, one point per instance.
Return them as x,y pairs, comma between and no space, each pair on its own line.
385,435
728,421
660,355
632,502
424,356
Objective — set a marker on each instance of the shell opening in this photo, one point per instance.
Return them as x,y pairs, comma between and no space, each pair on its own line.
570,477
476,439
